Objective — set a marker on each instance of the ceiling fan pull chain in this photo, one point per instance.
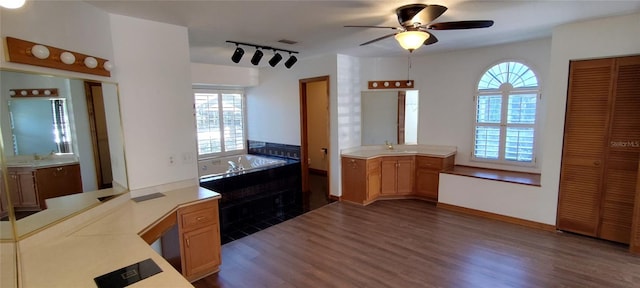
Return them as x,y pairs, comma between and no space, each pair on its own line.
408,66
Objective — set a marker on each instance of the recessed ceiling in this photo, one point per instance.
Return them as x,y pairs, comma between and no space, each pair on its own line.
317,26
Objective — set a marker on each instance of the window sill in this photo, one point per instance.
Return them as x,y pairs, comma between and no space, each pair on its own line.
496,175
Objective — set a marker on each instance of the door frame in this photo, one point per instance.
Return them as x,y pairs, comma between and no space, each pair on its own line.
304,145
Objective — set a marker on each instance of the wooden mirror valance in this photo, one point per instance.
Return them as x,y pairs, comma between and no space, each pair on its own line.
25,52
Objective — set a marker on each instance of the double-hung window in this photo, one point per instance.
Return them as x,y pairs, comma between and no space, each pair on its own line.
220,117
506,108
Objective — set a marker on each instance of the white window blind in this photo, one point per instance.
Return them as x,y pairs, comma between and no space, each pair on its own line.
220,121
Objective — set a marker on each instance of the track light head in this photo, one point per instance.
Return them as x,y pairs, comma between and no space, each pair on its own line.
257,56
292,60
275,59
237,55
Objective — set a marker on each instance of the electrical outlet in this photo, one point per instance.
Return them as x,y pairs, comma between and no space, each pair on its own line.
187,158
172,159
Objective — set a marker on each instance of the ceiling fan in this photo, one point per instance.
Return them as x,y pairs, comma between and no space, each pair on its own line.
415,22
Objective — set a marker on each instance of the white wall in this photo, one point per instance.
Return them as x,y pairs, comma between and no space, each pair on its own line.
154,79
222,75
79,116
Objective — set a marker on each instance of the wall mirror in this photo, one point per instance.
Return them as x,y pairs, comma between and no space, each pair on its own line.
389,116
63,151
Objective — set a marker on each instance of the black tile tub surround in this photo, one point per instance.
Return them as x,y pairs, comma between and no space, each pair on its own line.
274,149
250,200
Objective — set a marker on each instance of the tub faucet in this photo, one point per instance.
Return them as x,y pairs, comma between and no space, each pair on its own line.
232,166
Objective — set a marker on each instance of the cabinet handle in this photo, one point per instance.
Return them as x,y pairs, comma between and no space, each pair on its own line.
199,219
597,163
59,169
188,243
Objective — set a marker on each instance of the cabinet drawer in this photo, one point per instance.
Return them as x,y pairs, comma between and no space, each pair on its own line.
430,162
199,215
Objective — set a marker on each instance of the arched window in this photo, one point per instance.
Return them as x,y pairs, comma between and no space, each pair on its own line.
506,109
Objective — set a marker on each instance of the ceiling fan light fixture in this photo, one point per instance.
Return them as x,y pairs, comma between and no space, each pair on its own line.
411,40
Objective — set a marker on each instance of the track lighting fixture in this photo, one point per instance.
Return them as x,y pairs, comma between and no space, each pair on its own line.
292,60
257,56
237,55
275,59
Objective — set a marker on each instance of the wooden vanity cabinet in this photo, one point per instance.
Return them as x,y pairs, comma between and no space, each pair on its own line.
397,175
428,175
190,239
199,230
57,181
30,187
360,180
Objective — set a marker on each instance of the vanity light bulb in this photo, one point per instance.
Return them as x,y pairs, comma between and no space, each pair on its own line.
23,93
107,65
90,62
12,4
40,51
47,92
12,93
67,58
35,92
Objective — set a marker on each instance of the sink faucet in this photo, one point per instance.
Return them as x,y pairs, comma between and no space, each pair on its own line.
389,145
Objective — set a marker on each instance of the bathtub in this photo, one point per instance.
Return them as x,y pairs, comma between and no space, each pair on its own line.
221,167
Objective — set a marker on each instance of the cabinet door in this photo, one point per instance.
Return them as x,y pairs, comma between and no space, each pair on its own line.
621,169
373,179
586,122
22,189
354,180
201,250
427,183
388,181
404,176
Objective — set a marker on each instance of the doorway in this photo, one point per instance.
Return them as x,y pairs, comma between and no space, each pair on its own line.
315,141
99,135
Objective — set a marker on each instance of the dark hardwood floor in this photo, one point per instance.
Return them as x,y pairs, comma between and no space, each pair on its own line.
410,243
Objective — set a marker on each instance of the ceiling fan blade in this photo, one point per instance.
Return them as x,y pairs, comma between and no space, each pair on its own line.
377,39
431,40
429,14
366,26
418,13
472,24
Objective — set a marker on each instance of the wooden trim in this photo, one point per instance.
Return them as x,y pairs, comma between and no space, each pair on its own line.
402,102
523,178
498,217
156,230
19,51
391,84
317,172
304,145
334,197
634,245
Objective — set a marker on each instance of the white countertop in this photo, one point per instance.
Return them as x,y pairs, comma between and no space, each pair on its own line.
368,152
61,207
46,162
107,242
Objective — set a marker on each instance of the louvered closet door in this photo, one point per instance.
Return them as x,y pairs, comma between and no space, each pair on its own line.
586,123
623,150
